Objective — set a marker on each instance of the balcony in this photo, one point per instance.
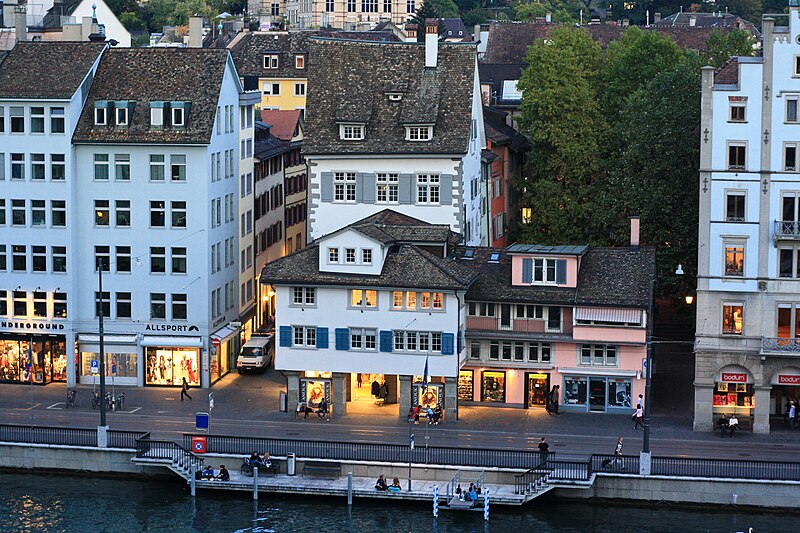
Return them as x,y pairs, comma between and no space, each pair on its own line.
780,346
786,230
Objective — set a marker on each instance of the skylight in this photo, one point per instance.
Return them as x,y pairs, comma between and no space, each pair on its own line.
494,257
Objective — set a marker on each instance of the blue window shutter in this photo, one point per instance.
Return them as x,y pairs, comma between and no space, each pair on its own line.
342,339
326,186
460,346
285,336
527,271
322,337
445,189
386,341
561,271
447,343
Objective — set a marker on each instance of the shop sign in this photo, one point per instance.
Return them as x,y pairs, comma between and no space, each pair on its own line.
788,380
170,327
734,378
29,325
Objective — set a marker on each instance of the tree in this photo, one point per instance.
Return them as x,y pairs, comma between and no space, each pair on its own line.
425,11
562,119
447,9
567,11
721,46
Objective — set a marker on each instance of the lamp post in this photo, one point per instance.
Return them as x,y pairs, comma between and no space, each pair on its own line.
102,429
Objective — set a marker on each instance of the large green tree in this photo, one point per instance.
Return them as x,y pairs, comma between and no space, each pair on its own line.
721,46
567,11
562,118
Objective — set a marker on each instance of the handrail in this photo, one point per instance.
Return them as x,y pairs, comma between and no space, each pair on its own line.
452,484
480,480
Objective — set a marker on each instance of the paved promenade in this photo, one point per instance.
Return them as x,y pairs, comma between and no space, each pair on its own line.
248,405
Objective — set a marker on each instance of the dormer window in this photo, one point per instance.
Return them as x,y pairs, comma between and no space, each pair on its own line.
100,114
395,97
366,256
122,116
178,116
300,61
544,270
419,133
271,61
333,255
351,132
156,114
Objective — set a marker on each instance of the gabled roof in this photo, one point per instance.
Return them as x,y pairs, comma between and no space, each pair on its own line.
728,74
47,69
147,75
453,29
370,35
349,82
248,53
284,122
707,20
389,226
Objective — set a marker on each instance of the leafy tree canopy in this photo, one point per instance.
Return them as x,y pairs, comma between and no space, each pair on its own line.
721,46
567,11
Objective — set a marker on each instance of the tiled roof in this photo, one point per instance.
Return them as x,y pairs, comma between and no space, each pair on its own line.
370,35
728,74
389,226
567,249
284,122
46,69
453,29
707,20
147,75
500,133
348,82
248,53
406,267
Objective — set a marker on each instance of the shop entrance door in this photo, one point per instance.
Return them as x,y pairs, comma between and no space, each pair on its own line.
597,394
537,388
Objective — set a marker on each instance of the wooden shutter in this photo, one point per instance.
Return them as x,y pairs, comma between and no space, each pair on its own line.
322,337
326,186
447,343
386,341
342,339
561,271
285,339
527,271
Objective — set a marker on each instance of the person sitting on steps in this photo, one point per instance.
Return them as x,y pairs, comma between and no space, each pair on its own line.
322,410
381,484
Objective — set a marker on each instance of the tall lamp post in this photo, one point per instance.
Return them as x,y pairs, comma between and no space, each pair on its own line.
102,429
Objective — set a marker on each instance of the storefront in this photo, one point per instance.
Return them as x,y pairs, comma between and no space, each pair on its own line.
785,387
315,386
171,359
121,358
537,387
493,386
598,393
466,385
224,344
27,358
733,392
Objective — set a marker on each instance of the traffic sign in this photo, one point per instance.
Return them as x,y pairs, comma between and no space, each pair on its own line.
95,367
201,421
411,441
215,342
199,444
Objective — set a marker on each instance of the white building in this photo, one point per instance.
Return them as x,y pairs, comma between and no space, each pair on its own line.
394,125
39,110
749,269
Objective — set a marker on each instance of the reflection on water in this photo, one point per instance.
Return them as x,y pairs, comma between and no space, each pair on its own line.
51,503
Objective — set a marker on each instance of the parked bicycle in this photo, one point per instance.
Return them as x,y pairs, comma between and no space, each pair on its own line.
72,394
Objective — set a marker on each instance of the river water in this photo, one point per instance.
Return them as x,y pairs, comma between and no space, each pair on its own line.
38,502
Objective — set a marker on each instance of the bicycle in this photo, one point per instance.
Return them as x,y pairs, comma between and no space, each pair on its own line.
71,395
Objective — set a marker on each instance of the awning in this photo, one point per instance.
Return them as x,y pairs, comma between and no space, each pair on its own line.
90,338
167,342
607,372
609,314
224,332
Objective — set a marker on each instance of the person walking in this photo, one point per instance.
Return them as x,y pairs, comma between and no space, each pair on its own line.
358,379
792,414
554,399
185,390
544,451
618,453
638,417
639,402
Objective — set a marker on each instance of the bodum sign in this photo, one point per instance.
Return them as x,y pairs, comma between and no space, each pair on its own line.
788,380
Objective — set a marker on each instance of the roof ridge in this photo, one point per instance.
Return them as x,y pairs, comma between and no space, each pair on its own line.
428,256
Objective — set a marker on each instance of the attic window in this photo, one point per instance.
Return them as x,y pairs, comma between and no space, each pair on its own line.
419,133
271,61
156,114
511,90
395,97
178,116
494,257
121,116
299,61
351,132
469,253
100,115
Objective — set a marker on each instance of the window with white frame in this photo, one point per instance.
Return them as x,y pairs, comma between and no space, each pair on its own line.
101,167
598,354
58,213
122,213
481,309
102,257
363,339
102,215
363,298
734,206
790,157
539,352
734,259
789,262
299,89
344,186
157,167
350,255
158,305
271,61
428,189
100,116
797,65
387,187
732,318
417,341
366,256
544,270
122,258
60,305
333,255
121,116
737,110
123,304
39,258
18,212
178,259
271,89
56,120
37,167
37,119
158,260
17,119
419,133
351,132
300,59
17,166
303,296
58,258
304,336
58,168
178,214
122,167
511,90
156,116
177,164
178,116
158,213
791,109
179,307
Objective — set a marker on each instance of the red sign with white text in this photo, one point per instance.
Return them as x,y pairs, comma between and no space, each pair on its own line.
788,380
734,378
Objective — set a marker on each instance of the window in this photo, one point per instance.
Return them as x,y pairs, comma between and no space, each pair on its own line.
157,213
475,349
178,213
351,6
438,300
20,303
411,6
272,89
39,258
17,119
17,166
417,341
350,255
427,189
333,255
37,167
58,170
271,61
58,258
122,167
18,213
369,6
122,116
56,120
363,339
797,66
732,318
424,300
2,119
481,309
100,116
387,6
158,305
38,213
790,157
123,304
156,114
736,156
3,301
2,164
178,116
419,133
366,256
598,355
791,109
539,352
363,298
344,186
122,213
177,167
102,257
37,120
299,59
387,184
734,206
351,132
101,171
59,305
2,211
788,266
299,89
122,259
178,259
156,167
542,270
58,213
304,336
102,301
101,213
303,296
179,307
158,260
734,259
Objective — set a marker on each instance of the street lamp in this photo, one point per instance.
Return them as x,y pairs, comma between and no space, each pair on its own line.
102,429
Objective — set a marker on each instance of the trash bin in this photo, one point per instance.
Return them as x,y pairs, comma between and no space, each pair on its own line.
282,401
291,464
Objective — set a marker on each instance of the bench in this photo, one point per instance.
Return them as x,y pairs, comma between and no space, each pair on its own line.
320,469
247,469
745,424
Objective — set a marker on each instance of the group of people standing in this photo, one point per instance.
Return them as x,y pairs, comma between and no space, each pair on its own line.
552,400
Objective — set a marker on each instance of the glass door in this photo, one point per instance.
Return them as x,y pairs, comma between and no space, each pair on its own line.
597,394
538,386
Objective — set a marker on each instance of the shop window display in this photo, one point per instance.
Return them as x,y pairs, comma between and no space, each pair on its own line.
466,386
36,360
494,387
168,366
730,396
125,364
575,391
619,392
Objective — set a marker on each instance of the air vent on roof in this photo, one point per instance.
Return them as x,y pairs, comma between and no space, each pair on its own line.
469,253
494,257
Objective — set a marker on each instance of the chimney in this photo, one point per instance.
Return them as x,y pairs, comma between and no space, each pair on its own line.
411,33
656,18
476,33
635,231
86,28
21,23
626,23
195,32
431,43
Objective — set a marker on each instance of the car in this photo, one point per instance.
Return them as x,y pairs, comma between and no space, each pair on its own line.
256,354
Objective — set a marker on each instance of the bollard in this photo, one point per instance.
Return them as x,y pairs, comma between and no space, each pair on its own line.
255,483
349,489
193,481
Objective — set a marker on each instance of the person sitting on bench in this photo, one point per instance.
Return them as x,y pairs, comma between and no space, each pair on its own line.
437,415
723,425
223,474
381,484
255,460
322,410
733,424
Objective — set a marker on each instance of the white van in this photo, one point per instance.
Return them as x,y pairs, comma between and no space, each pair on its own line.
256,354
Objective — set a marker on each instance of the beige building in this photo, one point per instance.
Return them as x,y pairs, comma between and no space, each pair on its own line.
347,14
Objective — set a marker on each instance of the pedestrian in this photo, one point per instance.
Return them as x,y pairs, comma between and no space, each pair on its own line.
638,416
639,402
618,453
544,450
185,390
554,398
792,414
358,379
